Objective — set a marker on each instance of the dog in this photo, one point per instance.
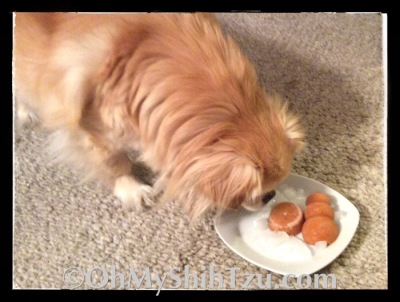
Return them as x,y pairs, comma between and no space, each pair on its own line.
174,87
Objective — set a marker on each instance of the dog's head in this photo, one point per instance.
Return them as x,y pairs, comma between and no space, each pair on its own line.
227,142
239,162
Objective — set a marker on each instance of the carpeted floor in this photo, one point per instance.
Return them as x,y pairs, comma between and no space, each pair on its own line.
330,68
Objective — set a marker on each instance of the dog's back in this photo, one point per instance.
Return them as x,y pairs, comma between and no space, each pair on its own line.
70,54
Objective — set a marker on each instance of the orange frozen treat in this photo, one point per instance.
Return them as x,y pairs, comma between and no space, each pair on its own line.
318,197
320,228
319,209
286,217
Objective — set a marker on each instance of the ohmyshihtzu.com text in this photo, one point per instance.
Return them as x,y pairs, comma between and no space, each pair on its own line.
75,277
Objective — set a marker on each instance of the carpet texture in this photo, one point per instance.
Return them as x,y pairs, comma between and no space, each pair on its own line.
329,66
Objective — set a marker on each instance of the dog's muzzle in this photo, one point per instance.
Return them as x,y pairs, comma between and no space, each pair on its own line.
267,197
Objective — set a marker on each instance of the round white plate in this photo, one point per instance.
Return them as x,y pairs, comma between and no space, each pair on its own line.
229,228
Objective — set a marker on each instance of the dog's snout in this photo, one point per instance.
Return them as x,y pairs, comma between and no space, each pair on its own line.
267,197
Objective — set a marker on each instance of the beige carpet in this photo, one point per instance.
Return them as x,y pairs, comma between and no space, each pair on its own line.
330,68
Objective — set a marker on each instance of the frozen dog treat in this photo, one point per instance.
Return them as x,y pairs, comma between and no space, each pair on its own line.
319,209
320,228
286,217
320,224
318,197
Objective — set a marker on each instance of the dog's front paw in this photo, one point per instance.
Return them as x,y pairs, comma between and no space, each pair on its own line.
24,116
133,195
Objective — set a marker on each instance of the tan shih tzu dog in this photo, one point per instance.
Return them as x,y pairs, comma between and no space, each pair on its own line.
172,86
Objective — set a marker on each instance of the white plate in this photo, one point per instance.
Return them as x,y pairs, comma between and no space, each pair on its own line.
229,227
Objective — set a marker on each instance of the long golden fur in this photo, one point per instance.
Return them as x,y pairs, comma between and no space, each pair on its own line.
171,86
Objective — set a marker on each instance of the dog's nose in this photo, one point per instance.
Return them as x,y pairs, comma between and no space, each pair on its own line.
267,197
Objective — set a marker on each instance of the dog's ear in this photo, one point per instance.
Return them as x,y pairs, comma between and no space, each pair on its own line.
294,132
218,178
229,180
290,123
